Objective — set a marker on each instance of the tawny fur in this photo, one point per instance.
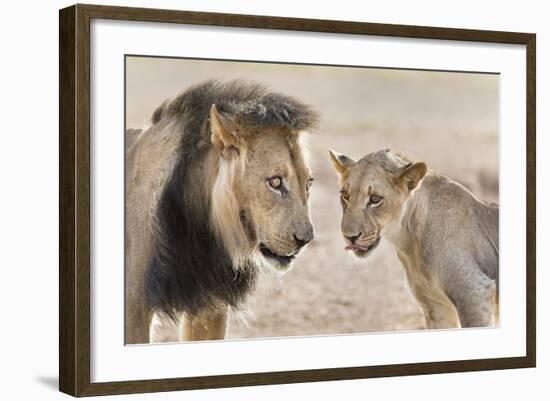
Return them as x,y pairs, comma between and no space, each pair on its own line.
198,207
446,239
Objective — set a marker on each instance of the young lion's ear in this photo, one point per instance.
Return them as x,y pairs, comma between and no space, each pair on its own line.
223,133
412,174
341,163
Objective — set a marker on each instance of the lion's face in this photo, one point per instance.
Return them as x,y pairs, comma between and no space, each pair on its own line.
270,191
273,193
372,195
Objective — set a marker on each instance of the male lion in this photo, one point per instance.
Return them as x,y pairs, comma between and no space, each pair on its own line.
215,187
446,238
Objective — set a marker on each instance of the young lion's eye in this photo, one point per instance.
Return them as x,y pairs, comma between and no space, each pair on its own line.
275,182
374,200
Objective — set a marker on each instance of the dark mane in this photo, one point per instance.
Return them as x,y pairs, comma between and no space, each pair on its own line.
190,270
252,104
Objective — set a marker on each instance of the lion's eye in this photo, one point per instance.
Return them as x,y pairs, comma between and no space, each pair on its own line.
375,200
345,196
309,183
275,182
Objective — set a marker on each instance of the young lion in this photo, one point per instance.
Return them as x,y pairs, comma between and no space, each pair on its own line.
446,238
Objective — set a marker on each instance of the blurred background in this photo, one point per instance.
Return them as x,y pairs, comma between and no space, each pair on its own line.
449,120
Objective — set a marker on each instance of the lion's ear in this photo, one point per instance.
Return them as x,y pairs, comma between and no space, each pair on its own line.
341,163
412,175
223,133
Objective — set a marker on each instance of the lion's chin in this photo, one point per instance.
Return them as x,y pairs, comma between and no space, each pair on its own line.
276,261
278,266
361,254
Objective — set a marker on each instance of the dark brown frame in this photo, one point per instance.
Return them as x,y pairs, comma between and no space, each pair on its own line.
74,199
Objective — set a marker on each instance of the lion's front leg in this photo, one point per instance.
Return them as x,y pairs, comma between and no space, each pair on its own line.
438,314
163,329
210,325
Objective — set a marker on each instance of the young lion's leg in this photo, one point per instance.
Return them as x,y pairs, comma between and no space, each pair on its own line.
439,313
210,325
474,296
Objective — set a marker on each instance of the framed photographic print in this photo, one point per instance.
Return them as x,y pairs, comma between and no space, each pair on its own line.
251,200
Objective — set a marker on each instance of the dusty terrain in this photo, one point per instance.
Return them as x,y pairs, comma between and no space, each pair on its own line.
448,120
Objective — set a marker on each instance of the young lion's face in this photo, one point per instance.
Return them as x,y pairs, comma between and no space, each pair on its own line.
270,192
373,192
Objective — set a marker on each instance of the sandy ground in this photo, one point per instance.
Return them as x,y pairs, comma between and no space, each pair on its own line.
448,120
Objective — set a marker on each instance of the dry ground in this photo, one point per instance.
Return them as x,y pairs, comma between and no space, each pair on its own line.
448,120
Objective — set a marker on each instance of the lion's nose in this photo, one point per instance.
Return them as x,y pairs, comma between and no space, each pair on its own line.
304,239
352,238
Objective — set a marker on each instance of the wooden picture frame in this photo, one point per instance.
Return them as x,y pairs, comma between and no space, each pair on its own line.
74,199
